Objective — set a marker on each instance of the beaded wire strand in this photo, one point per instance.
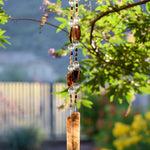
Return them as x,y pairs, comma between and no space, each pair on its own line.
75,34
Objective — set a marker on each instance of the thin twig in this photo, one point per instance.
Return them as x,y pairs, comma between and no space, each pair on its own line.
112,11
35,20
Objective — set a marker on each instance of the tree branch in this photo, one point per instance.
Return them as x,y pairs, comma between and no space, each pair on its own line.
112,11
35,20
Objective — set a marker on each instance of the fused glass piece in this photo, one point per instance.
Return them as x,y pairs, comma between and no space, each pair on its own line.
76,32
69,79
76,64
76,75
70,67
71,38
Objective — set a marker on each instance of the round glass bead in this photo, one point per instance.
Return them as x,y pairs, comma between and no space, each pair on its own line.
70,67
76,86
71,23
71,2
76,1
75,43
76,20
76,64
71,47
71,90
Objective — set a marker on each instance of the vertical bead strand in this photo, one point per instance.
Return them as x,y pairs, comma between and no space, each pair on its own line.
71,3
76,19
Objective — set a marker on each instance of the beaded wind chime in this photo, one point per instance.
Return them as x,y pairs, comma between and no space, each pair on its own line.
73,121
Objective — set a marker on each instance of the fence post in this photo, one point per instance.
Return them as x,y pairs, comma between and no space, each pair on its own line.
51,111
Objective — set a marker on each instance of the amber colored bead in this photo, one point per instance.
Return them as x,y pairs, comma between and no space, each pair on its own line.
76,9
70,105
76,14
76,54
71,101
71,57
70,96
76,96
76,49
75,101
71,8
76,32
71,53
76,4
71,62
76,59
71,13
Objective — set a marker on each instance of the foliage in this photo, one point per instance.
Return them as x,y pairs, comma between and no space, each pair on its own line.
134,136
24,138
113,58
3,20
97,123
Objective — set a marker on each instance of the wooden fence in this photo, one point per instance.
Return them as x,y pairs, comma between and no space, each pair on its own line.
23,104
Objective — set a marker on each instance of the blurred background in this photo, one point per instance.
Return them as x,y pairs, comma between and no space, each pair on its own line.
29,118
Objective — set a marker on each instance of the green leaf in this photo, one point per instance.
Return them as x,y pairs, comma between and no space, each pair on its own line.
61,19
148,7
145,89
63,25
59,3
1,2
87,103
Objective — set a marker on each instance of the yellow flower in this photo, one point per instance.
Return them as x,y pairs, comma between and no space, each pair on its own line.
120,129
139,123
147,115
119,144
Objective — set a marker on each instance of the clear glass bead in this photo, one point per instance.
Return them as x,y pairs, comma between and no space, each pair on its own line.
75,43
70,67
76,86
76,64
76,20
71,2
71,23
71,47
71,90
76,1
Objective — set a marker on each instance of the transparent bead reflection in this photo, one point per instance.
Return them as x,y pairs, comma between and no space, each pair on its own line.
71,90
70,67
75,43
71,47
71,2
76,86
76,64
71,23
76,20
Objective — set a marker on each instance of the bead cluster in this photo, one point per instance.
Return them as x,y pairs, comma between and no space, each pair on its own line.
74,72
